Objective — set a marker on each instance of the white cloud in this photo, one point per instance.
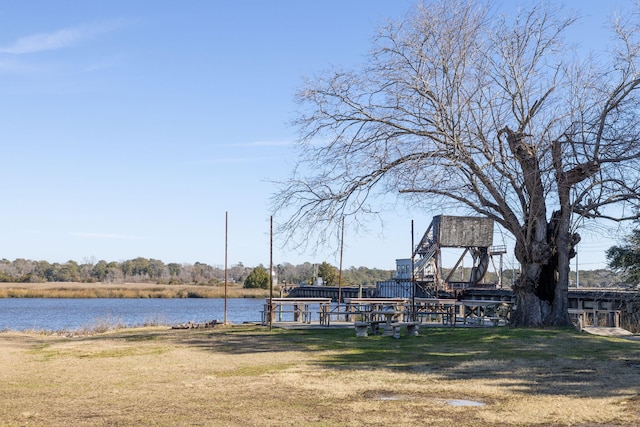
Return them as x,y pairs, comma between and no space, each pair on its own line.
106,236
59,39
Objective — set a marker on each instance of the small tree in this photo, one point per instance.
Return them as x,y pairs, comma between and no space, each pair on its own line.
328,273
626,258
257,279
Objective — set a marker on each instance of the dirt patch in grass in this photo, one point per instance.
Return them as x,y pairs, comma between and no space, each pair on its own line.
247,375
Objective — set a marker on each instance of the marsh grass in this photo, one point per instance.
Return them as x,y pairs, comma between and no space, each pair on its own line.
127,290
248,375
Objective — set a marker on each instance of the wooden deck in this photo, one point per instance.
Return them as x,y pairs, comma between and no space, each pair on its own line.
384,313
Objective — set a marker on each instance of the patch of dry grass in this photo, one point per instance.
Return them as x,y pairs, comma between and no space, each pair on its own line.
247,375
123,290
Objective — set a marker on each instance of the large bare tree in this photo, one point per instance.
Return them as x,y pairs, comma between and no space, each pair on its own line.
456,107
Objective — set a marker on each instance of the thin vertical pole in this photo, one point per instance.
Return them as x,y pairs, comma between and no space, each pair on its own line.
577,272
226,258
271,272
500,273
340,272
413,279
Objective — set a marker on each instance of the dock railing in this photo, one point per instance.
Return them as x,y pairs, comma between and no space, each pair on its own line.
294,309
595,317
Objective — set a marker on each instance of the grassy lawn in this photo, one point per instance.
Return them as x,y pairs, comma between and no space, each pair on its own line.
248,375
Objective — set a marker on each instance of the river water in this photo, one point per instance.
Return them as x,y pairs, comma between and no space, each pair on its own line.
61,314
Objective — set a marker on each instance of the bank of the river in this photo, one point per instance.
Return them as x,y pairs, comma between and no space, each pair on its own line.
124,290
249,375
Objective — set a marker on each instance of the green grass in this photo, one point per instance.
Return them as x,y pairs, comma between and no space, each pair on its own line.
251,375
550,361
439,347
557,360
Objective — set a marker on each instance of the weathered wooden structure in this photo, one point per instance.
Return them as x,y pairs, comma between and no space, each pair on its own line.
332,292
472,234
422,275
587,307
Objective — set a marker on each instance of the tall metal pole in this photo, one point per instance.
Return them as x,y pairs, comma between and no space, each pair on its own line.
340,272
413,279
271,273
226,246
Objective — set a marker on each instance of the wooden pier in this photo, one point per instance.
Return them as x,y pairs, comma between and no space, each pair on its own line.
332,292
587,306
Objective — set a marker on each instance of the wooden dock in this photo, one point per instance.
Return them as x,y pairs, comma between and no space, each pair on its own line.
332,292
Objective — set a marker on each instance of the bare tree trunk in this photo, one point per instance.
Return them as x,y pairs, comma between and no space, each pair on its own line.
532,306
564,244
528,310
559,315
532,288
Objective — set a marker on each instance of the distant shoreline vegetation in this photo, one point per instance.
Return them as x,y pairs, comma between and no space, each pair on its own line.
155,279
153,271
128,290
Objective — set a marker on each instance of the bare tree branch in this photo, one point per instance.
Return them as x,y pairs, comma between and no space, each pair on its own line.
458,108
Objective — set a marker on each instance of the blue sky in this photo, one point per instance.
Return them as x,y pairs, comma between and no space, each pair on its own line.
129,128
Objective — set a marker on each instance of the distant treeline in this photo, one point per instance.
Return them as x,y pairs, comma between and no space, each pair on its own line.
144,270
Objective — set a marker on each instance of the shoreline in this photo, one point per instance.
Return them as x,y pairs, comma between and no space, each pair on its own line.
124,290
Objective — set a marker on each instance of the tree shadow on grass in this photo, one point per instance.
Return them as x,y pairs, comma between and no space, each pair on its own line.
536,361
246,340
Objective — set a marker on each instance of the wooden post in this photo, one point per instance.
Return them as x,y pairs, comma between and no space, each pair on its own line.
271,271
340,271
226,233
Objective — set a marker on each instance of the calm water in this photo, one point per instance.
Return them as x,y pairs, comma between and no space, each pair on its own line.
56,314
